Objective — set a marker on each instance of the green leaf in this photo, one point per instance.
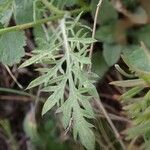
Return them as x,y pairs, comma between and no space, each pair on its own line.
50,102
82,128
130,83
11,47
107,13
40,80
23,11
111,53
34,59
62,3
82,59
132,92
143,35
67,111
82,40
133,57
39,32
139,130
99,66
54,98
6,10
68,71
106,33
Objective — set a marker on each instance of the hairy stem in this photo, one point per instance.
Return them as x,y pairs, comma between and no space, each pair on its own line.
29,25
41,21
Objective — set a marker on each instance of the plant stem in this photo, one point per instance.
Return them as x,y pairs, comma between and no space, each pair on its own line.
29,25
98,102
41,21
94,30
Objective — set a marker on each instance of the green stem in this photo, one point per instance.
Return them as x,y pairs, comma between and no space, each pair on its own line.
41,21
29,25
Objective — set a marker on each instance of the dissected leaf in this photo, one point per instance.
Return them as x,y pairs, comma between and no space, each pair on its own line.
68,71
11,47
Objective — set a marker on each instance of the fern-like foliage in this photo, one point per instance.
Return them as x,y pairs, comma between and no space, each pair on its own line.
66,79
137,98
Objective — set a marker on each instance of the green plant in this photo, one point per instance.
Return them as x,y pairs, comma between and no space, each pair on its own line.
73,48
136,105
63,51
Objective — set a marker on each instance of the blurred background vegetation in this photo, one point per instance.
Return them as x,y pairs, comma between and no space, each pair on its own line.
121,26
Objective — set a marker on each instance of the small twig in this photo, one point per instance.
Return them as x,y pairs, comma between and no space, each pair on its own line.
41,21
114,117
13,77
117,135
94,30
98,102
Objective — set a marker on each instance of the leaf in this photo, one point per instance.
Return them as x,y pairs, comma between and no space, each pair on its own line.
68,71
81,59
139,130
6,10
143,35
106,33
82,128
130,83
23,11
39,32
38,81
131,93
54,98
67,112
87,137
133,57
33,59
111,53
82,40
99,66
50,102
107,13
62,3
11,47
